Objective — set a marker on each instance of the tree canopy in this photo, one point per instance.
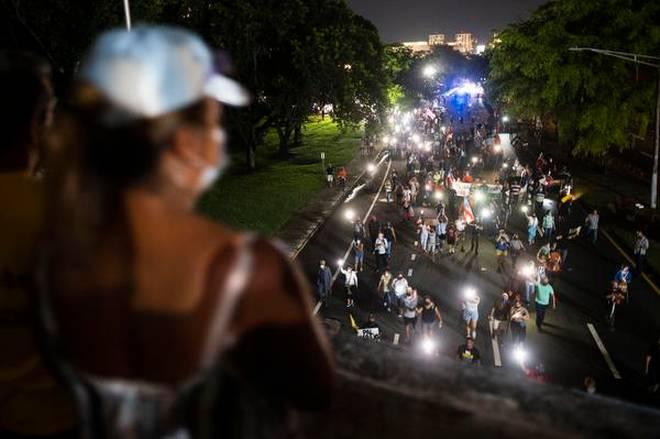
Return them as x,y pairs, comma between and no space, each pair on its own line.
294,56
596,102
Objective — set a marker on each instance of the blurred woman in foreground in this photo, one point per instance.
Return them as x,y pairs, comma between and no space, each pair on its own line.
148,297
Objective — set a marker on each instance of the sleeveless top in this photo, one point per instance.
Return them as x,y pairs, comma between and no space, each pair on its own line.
215,402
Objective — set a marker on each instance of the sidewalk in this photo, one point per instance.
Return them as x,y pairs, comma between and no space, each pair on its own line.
301,227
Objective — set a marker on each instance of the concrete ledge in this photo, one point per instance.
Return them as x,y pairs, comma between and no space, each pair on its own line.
388,393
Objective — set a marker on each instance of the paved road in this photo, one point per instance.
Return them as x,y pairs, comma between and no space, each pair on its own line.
567,348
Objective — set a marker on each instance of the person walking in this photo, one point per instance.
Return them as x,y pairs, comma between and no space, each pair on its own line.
388,190
423,236
430,315
592,223
451,239
400,286
359,232
324,282
532,228
390,236
474,230
432,241
640,248
385,290
518,317
409,311
516,249
358,254
548,225
468,354
501,251
380,250
499,315
471,314
544,294
373,226
351,285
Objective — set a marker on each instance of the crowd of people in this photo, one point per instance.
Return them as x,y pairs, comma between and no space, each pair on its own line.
457,188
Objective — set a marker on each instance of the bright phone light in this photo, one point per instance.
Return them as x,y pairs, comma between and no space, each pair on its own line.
428,346
438,195
520,355
349,214
524,209
470,293
479,196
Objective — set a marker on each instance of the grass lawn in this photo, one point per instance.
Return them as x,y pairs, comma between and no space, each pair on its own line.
265,199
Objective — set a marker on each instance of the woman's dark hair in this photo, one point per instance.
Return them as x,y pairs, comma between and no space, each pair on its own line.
26,95
97,153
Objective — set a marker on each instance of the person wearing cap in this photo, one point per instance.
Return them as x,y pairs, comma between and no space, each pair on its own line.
32,401
148,297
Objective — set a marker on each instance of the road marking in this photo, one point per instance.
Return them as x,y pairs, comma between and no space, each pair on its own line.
396,339
413,257
632,263
603,351
317,307
496,346
366,215
410,271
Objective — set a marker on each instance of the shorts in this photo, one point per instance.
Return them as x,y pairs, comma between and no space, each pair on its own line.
470,315
500,252
499,323
330,178
410,321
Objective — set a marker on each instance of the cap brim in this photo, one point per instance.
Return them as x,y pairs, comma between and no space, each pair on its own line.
226,90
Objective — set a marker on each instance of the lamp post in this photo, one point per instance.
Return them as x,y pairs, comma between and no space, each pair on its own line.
645,60
127,13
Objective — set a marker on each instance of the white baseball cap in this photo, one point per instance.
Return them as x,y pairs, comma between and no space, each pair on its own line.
154,70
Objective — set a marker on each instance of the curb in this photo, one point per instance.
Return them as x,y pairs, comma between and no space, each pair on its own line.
334,205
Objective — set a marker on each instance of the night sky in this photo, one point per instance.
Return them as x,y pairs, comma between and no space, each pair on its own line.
414,20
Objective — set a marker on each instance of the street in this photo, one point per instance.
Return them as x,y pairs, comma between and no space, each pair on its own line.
576,341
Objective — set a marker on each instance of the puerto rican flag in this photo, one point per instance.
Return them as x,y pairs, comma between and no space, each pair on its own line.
468,215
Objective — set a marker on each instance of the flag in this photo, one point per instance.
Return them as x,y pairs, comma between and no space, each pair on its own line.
468,215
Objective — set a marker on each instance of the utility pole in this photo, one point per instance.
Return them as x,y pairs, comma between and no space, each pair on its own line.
644,60
127,13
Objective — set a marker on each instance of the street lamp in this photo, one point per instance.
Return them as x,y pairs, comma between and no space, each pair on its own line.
429,71
645,60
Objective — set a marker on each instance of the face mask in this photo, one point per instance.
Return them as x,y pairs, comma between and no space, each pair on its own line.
211,173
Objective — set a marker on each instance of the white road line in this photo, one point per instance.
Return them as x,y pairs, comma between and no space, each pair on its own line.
396,339
496,346
366,215
606,355
410,272
632,263
413,257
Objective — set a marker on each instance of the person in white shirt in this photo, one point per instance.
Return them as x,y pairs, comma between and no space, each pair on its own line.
380,250
351,284
400,286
